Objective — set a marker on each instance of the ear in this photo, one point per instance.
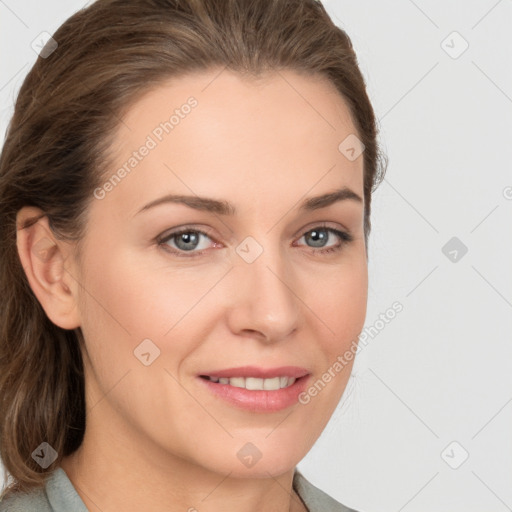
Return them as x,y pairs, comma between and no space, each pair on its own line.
47,262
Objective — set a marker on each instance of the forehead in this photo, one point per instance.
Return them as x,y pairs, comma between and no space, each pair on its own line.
215,132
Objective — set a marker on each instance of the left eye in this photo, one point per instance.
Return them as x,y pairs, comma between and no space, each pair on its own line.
320,234
188,240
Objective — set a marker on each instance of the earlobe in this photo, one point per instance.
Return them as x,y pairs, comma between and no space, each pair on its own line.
45,260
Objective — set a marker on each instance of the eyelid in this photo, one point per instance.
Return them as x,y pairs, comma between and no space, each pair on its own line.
323,224
187,227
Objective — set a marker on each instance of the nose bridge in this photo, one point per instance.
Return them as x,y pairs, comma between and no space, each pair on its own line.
264,296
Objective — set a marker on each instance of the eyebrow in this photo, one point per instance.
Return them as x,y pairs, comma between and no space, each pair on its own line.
222,207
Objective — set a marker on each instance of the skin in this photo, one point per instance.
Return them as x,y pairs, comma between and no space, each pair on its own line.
155,438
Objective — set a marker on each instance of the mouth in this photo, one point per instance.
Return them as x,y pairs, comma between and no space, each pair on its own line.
256,389
254,383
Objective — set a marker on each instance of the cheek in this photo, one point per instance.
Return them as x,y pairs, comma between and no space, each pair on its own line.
118,312
133,296
131,300
340,302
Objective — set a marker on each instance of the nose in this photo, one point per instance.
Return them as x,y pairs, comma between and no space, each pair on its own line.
263,302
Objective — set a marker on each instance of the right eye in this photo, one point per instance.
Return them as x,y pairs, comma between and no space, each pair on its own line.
185,240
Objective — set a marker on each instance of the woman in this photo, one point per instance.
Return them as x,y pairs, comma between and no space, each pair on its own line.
185,194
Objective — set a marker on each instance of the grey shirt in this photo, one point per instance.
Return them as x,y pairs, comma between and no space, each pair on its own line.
59,495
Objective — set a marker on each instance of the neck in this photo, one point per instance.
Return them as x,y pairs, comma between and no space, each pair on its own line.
113,471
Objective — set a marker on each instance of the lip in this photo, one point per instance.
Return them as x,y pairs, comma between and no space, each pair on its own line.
261,373
260,401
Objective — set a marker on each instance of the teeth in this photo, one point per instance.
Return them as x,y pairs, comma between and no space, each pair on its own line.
272,384
254,383
238,382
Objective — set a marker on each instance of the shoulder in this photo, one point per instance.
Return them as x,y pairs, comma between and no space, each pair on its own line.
33,501
57,495
315,499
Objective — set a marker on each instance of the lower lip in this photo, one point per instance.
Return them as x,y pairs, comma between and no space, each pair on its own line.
258,400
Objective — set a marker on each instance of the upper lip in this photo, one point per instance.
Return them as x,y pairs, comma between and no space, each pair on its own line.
255,371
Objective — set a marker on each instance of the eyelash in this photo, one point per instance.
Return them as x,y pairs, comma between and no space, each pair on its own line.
162,242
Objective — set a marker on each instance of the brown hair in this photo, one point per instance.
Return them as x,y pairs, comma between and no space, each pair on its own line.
56,152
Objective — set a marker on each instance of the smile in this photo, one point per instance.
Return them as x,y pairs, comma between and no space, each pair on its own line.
254,383
255,388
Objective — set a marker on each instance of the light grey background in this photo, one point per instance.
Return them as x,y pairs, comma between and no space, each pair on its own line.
435,383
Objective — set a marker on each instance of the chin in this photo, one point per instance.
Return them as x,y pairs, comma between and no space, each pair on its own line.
270,468
260,459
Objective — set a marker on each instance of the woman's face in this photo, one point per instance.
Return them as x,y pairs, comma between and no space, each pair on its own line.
270,284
